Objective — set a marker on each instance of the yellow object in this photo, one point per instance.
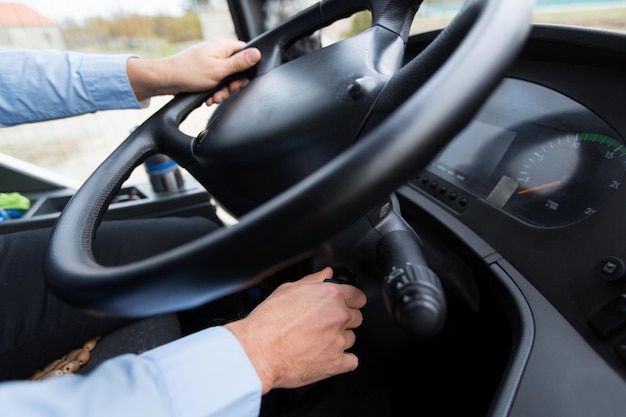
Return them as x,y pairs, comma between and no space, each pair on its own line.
14,201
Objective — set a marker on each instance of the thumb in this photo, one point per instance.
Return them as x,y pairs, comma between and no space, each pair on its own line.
244,59
319,276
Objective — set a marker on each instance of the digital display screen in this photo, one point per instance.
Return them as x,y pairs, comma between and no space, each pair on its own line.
470,160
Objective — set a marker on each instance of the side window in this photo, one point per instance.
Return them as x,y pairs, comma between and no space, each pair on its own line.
75,146
276,11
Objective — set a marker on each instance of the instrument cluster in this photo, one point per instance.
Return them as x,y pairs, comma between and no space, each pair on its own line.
535,154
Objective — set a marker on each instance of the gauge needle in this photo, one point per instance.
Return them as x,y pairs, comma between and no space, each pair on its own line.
539,187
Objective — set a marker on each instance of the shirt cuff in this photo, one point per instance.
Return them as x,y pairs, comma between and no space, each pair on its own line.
117,93
208,373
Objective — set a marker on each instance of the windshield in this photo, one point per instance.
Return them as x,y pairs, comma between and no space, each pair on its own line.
152,28
604,14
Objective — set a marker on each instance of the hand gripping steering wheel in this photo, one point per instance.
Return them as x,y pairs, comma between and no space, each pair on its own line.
305,150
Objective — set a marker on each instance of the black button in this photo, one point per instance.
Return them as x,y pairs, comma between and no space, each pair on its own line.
611,269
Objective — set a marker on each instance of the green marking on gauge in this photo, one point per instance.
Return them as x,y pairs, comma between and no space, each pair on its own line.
610,142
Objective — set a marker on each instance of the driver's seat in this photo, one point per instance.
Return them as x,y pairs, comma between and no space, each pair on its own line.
134,338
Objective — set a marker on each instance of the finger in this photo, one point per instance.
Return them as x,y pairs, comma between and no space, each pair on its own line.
225,93
350,339
237,85
232,46
356,298
349,362
319,276
220,95
244,60
355,320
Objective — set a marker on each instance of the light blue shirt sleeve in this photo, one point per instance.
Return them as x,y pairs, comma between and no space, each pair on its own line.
206,374
44,85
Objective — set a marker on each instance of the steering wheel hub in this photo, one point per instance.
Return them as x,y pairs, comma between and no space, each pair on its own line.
295,118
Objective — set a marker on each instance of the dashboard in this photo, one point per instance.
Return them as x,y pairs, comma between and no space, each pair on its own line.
536,154
539,176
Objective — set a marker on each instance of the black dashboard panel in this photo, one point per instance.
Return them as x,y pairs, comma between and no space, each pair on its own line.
539,173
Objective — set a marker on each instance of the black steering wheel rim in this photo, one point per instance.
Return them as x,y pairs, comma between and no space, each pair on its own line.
322,204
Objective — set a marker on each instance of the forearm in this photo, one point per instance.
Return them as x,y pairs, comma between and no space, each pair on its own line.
203,375
45,85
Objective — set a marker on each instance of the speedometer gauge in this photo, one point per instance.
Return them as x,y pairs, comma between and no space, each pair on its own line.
535,154
565,178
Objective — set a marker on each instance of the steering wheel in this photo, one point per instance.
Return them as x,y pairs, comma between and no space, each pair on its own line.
305,150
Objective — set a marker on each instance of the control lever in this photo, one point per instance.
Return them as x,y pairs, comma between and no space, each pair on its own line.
412,292
342,275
